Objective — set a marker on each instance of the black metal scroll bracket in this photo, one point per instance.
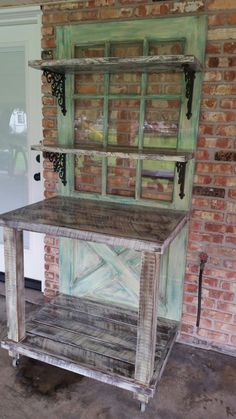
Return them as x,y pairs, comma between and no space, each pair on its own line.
189,80
181,169
57,81
59,164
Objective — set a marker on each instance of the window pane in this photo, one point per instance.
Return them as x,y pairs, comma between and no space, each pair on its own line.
89,83
126,83
157,180
164,83
161,123
88,121
88,174
166,47
121,177
123,122
126,49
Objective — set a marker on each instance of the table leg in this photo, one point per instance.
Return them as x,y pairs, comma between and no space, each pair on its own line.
14,280
147,321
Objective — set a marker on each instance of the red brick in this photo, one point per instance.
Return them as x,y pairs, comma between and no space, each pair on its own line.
200,202
229,75
214,336
214,167
209,103
226,307
231,219
230,47
217,315
217,20
232,193
231,18
203,179
229,328
228,103
225,181
208,215
221,4
187,328
231,240
217,204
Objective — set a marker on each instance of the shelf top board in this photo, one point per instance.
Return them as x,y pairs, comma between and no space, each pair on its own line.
136,227
120,152
118,64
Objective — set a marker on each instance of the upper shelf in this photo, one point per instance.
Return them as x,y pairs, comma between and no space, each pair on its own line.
55,70
120,152
119,64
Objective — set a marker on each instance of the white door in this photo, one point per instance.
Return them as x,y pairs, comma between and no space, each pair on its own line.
20,124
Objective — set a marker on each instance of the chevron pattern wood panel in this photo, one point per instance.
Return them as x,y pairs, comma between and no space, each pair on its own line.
109,273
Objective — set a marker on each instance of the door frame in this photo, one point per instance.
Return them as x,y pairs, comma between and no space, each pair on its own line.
27,18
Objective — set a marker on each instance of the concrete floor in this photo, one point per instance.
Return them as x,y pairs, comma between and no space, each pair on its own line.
196,384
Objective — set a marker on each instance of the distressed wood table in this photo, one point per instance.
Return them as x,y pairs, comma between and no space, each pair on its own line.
116,345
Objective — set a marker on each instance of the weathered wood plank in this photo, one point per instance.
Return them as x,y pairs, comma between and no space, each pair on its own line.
137,227
94,150
79,368
147,322
88,344
109,312
14,277
119,64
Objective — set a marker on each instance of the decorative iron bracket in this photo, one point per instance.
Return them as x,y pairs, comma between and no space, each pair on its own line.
57,81
189,80
59,164
181,168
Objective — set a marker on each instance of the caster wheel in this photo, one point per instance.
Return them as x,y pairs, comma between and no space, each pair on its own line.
15,362
142,407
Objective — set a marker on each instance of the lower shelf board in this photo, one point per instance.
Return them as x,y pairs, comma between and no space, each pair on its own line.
93,339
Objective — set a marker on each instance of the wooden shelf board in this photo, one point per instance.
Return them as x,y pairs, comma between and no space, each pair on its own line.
136,227
119,152
92,335
118,64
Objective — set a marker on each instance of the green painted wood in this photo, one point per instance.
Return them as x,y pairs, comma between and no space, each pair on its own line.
103,273
192,30
176,271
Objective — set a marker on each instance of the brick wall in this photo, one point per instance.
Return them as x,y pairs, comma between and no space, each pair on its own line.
213,217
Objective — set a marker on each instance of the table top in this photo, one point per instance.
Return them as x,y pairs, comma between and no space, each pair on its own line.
137,227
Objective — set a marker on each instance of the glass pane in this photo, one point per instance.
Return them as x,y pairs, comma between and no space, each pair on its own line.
88,121
13,131
157,180
89,83
126,83
174,47
123,123
126,49
121,177
88,174
161,123
164,83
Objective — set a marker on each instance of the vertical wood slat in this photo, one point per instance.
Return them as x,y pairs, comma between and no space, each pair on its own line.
14,279
147,321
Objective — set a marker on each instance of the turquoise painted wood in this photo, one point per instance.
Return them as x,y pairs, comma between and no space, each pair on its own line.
104,273
99,271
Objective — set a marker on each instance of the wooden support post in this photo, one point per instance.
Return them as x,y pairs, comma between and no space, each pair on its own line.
147,321
14,277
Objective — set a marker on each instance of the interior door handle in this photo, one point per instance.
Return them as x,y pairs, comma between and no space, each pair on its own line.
37,176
